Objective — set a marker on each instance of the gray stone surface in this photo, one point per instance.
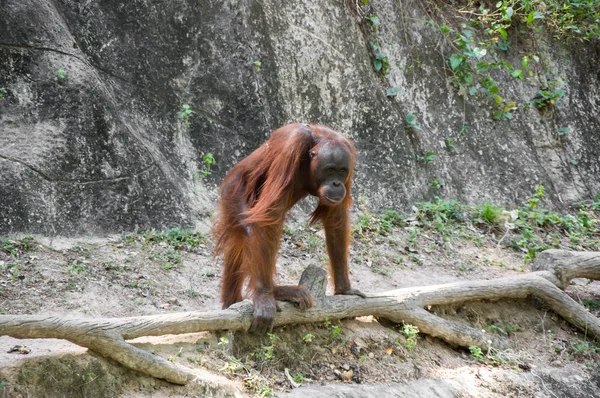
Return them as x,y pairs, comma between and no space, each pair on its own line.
103,151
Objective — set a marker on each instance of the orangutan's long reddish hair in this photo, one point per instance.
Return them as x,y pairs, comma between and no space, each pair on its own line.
296,161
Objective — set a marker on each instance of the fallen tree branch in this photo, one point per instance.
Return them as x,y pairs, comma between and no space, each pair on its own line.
554,268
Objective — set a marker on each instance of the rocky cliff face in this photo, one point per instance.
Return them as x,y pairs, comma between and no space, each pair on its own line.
91,141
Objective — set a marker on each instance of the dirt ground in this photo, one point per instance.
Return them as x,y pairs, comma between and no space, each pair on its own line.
150,273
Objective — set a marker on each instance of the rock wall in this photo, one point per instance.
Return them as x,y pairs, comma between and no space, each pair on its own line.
91,142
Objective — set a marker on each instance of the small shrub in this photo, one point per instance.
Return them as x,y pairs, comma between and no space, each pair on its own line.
61,76
476,353
185,115
411,333
490,214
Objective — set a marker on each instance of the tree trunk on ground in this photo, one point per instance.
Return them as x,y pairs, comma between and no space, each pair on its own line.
553,269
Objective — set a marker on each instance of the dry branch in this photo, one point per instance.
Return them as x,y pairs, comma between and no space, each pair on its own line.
554,269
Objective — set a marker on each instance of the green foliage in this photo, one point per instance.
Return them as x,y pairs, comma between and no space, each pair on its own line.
170,259
370,225
534,201
563,131
591,304
268,350
489,214
208,161
427,157
534,222
381,63
185,115
373,20
529,229
503,108
440,212
257,65
176,238
298,378
411,333
389,219
583,348
437,184
411,122
393,92
3,93
16,247
476,353
505,330
308,338
334,331
169,244
61,76
77,267
479,44
576,19
380,60
550,95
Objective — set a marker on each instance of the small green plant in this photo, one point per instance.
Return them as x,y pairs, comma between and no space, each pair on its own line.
583,348
476,353
411,122
496,329
3,93
308,338
380,60
185,115
393,92
265,391
16,247
171,259
77,267
512,328
490,214
549,95
298,378
208,161
334,331
61,76
591,304
390,219
381,63
88,377
534,201
427,157
369,225
411,333
373,20
503,109
232,367
440,212
256,65
563,131
268,351
175,238
437,184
